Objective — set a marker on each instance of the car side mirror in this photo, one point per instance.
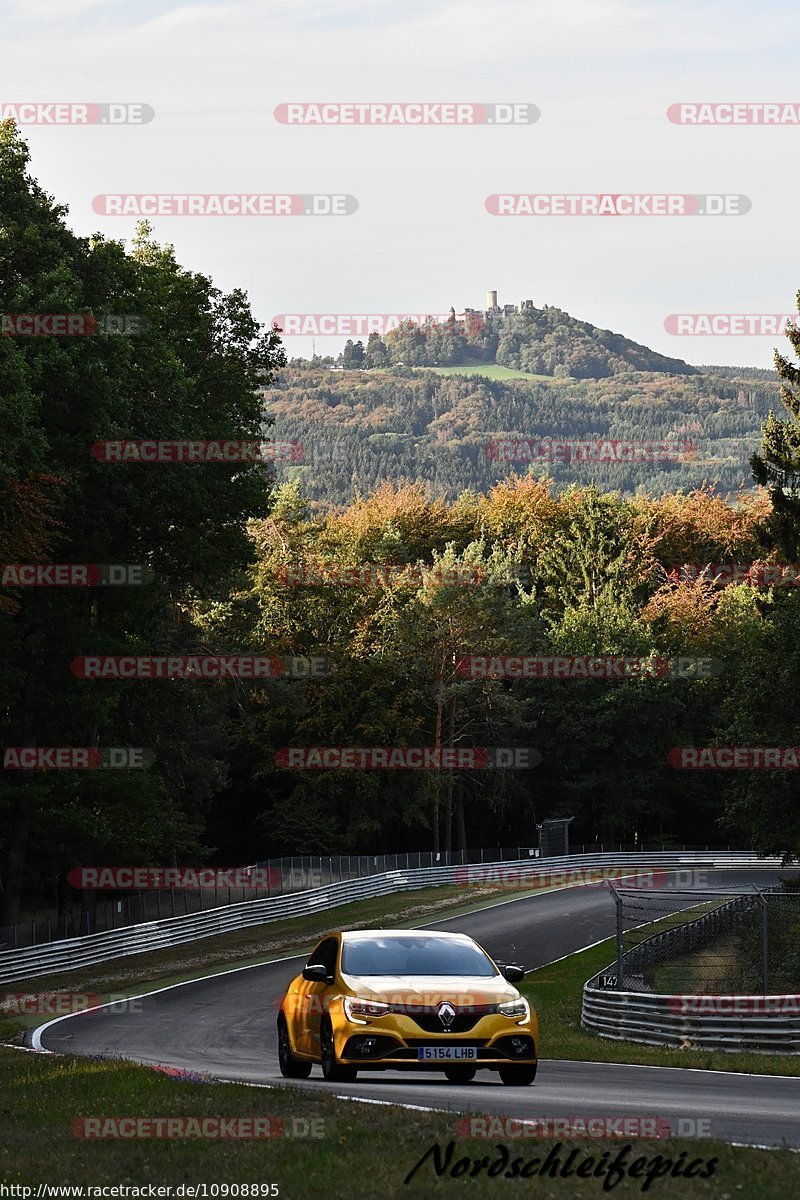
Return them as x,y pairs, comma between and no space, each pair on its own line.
513,973
317,973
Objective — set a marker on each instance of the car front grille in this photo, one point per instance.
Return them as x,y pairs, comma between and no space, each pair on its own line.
428,1019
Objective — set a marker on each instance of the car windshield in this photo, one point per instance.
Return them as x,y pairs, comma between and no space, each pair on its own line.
417,955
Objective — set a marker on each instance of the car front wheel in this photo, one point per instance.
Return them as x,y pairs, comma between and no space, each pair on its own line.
291,1067
332,1069
459,1074
518,1076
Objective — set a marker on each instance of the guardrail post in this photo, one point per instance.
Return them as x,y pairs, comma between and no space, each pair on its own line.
620,947
764,938
765,945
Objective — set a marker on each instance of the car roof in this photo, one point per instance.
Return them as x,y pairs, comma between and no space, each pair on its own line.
356,934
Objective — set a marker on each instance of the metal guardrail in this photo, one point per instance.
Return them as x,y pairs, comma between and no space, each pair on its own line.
116,908
71,953
659,1020
766,1023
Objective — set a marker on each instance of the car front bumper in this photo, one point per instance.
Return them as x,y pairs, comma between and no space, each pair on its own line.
395,1044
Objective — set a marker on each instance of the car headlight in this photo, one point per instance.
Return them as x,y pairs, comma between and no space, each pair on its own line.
361,1010
517,1010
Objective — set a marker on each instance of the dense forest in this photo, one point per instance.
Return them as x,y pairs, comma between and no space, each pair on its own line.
505,563
358,428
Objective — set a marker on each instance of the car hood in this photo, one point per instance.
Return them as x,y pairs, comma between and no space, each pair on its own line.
430,990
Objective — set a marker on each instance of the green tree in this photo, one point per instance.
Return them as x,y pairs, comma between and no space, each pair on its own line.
352,357
195,371
376,354
777,467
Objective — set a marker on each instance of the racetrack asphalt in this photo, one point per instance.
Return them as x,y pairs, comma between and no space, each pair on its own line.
224,1026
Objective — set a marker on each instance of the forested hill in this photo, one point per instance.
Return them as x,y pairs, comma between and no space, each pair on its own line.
359,428
542,341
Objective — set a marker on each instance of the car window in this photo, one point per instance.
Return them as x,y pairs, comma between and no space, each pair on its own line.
418,955
325,953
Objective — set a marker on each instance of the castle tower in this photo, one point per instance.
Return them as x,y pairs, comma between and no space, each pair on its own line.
491,300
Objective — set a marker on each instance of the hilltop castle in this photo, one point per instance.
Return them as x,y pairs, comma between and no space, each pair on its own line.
493,309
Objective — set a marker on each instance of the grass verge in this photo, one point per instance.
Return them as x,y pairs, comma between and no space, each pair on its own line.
364,1152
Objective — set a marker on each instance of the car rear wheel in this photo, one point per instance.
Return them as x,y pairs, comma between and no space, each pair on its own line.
518,1076
291,1067
332,1069
460,1074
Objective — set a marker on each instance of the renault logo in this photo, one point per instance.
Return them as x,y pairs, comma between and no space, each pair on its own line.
446,1014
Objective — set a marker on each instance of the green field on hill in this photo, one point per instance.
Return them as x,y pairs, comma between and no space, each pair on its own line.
488,371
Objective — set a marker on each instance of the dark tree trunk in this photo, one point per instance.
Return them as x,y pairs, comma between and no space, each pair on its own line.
461,829
448,799
21,820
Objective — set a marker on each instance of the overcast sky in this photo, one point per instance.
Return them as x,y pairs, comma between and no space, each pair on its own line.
602,72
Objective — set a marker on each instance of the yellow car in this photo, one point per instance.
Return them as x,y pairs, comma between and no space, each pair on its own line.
376,1000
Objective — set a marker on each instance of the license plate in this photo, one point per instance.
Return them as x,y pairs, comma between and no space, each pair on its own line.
447,1053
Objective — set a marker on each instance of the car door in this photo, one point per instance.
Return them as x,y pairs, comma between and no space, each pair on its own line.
314,995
